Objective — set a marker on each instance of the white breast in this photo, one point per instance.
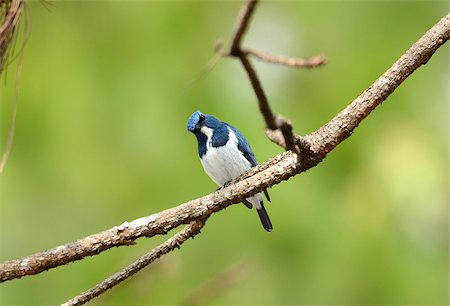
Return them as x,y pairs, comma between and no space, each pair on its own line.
224,163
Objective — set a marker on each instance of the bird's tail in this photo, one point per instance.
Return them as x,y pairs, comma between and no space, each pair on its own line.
262,213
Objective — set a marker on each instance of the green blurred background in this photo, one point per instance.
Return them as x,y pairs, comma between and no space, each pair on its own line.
100,139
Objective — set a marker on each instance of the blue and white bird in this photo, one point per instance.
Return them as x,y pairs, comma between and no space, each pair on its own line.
225,154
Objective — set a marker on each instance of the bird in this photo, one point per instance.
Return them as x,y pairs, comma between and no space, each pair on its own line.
225,154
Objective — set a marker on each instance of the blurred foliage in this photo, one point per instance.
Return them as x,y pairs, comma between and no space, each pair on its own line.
101,139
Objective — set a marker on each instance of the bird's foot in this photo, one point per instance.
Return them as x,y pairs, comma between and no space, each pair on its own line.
224,185
227,184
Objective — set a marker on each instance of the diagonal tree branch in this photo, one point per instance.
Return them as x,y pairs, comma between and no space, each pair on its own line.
264,106
342,125
265,175
303,154
314,147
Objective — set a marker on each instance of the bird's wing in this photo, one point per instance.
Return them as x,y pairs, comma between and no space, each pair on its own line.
244,147
220,136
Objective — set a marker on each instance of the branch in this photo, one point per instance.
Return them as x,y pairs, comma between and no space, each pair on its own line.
272,122
315,145
255,180
242,24
343,124
176,241
303,153
311,62
264,106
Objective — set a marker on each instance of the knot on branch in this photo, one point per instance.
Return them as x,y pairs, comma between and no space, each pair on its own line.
278,129
286,129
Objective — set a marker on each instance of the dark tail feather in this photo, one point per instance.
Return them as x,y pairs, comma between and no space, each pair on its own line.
262,213
267,195
247,203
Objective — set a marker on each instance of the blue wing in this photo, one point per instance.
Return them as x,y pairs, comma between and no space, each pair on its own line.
245,148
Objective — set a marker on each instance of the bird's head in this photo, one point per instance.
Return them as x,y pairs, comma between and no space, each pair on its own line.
195,122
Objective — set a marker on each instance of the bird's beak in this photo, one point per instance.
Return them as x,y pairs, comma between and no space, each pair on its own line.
198,126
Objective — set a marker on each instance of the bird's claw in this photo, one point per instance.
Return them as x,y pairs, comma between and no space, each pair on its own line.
224,185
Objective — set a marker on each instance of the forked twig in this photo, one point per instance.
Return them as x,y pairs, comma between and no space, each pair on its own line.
272,122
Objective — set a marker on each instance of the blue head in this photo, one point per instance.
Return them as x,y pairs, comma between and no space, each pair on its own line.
198,120
206,127
195,122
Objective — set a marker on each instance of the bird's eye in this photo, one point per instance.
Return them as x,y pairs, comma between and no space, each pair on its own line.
201,120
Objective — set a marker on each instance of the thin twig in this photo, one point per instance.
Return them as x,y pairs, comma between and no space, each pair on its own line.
12,126
311,62
264,106
242,23
218,54
218,285
176,241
